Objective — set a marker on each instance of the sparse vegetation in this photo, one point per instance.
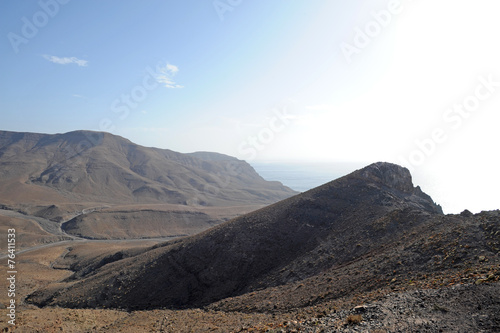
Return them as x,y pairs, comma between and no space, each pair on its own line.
354,319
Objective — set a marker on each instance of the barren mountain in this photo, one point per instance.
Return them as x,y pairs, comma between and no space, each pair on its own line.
82,176
86,166
313,257
323,229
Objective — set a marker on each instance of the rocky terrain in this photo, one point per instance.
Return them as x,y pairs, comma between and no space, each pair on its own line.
368,252
459,308
76,176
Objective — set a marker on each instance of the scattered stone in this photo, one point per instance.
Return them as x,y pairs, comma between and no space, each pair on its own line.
360,308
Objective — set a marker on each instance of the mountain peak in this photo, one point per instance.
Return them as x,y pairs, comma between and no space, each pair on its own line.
295,239
397,178
389,174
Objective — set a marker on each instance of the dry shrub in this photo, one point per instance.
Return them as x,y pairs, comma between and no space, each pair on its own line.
353,319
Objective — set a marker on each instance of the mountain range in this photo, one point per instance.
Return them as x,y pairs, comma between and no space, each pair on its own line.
101,167
360,233
102,184
369,251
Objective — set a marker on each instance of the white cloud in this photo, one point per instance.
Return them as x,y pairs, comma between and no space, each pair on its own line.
165,76
172,68
66,60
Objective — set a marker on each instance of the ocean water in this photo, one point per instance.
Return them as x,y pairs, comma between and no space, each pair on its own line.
304,176
452,194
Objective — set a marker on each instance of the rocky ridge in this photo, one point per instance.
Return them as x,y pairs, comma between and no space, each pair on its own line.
293,240
86,166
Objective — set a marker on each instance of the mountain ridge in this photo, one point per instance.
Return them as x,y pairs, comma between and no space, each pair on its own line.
321,230
63,177
99,166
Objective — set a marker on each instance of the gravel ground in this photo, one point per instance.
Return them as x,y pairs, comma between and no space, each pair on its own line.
461,308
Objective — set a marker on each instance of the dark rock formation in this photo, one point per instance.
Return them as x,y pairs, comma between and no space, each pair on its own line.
365,216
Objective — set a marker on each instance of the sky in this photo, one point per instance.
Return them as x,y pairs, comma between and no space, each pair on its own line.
415,83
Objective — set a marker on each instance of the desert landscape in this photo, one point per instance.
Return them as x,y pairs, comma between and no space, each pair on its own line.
249,166
368,252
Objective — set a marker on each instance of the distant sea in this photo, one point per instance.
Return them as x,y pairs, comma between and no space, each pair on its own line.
304,176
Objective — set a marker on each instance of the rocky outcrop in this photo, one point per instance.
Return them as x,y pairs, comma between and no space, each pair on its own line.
292,240
398,178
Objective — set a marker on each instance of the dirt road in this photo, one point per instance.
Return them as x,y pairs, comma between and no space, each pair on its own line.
54,228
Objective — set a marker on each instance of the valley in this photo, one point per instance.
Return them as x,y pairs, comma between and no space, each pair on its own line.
369,251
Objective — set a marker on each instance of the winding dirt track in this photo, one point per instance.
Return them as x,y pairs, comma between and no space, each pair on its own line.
54,228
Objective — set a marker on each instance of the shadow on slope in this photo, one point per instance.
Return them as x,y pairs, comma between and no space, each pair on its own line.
289,241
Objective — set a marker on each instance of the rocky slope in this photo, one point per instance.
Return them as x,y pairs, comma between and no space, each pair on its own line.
85,166
460,308
82,177
309,238
367,252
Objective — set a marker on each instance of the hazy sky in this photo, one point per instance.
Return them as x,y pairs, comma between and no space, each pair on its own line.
411,82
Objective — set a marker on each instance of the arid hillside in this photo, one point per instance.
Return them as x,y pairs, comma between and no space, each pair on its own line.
107,187
89,166
361,216
366,252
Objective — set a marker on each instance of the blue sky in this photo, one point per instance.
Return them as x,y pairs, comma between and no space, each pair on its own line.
303,81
